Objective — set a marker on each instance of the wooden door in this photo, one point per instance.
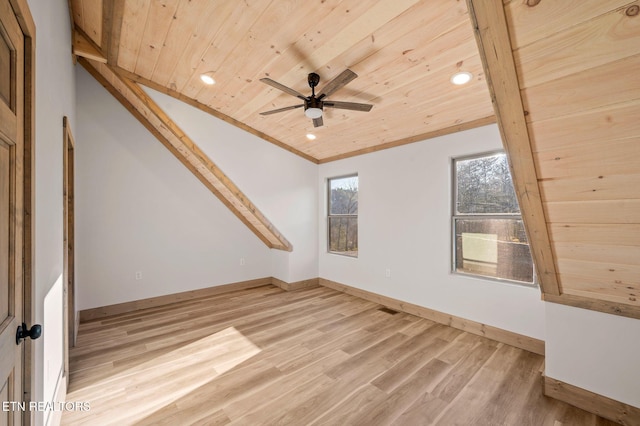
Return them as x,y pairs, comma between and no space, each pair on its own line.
11,210
68,190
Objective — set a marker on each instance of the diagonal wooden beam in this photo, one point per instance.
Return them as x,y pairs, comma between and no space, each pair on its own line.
492,36
83,46
194,103
134,99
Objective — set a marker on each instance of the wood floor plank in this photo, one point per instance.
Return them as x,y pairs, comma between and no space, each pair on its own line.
313,356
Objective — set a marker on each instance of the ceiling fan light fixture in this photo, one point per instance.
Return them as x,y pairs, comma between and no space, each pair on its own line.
461,78
207,78
313,112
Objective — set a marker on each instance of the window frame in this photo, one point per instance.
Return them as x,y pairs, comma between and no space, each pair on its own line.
329,215
455,215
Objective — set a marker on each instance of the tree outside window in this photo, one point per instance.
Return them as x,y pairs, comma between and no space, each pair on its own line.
342,220
489,235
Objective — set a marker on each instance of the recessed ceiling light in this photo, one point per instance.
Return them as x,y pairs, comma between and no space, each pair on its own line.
207,78
311,136
461,78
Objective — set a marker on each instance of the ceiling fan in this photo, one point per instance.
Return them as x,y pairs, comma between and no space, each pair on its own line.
313,105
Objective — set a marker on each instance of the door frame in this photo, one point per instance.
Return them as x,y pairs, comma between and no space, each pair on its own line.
68,190
28,27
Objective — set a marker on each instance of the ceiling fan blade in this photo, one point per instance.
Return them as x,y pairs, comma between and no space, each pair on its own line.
348,105
282,87
275,111
317,122
340,81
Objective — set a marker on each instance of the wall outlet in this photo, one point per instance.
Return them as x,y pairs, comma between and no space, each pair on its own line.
387,273
138,275
242,262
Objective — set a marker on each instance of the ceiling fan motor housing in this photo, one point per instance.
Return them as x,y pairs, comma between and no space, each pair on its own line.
312,102
313,79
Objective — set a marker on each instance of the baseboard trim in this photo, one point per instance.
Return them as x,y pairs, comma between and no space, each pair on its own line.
608,408
498,334
152,302
510,338
310,283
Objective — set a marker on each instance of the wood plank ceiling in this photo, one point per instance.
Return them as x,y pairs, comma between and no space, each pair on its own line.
563,78
404,53
575,69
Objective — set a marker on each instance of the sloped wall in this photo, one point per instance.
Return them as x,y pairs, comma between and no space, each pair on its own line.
140,211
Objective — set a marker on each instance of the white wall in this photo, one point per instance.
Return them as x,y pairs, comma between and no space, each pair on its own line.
594,351
55,98
404,225
282,185
53,342
139,209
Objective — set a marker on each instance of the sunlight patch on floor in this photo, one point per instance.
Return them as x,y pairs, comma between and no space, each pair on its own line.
147,387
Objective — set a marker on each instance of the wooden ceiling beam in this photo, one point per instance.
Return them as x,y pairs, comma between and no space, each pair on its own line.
136,101
492,35
202,107
112,15
84,47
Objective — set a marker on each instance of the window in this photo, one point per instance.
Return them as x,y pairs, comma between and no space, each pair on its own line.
489,235
342,220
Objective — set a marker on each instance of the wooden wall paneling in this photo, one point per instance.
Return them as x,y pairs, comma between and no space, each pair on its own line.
610,122
600,211
577,286
154,119
596,234
616,276
601,40
492,34
590,188
608,84
528,24
594,304
603,157
613,291
612,253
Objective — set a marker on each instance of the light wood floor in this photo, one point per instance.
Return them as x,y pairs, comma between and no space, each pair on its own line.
308,357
